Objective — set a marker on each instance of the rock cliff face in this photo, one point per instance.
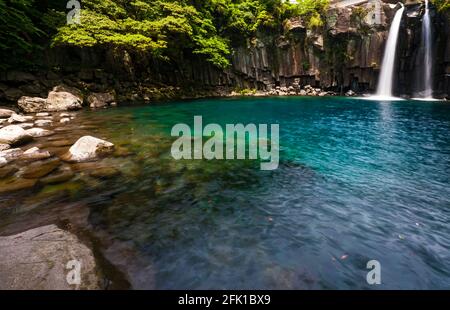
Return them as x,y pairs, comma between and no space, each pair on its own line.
344,54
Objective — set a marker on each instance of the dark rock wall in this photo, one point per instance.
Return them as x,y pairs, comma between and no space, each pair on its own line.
344,54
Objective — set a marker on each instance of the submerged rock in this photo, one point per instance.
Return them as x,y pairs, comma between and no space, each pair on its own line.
88,148
16,118
64,120
43,122
7,171
60,176
26,125
14,135
35,154
104,172
16,185
59,143
38,259
39,132
40,169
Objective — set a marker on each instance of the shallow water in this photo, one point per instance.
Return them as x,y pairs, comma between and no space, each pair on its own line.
358,180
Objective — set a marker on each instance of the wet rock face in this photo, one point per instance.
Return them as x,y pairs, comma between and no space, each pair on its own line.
45,251
345,54
88,148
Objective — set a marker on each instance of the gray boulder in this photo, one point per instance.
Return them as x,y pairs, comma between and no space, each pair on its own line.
46,258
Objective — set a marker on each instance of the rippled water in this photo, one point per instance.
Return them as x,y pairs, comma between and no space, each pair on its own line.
358,180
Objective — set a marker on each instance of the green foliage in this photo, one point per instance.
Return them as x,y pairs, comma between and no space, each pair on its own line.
162,28
358,20
312,11
442,5
17,28
25,30
246,91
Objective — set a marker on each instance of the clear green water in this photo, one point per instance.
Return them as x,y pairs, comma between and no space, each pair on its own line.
358,180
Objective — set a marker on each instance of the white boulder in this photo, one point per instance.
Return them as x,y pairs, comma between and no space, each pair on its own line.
88,148
14,135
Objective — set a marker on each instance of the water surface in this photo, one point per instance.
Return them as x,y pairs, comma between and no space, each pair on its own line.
358,180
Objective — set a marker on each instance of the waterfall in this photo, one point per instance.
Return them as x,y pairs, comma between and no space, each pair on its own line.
428,61
386,81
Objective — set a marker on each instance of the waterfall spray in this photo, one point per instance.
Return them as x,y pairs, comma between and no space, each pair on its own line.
427,45
386,81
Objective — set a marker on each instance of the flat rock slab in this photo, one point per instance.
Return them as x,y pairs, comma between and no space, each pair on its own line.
16,185
38,260
58,177
40,169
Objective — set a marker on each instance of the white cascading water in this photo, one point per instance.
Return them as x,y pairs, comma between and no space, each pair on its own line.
386,82
428,64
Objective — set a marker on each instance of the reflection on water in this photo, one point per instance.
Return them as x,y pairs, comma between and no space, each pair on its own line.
358,180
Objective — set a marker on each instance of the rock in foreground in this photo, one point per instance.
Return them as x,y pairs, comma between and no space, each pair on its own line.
37,259
88,148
